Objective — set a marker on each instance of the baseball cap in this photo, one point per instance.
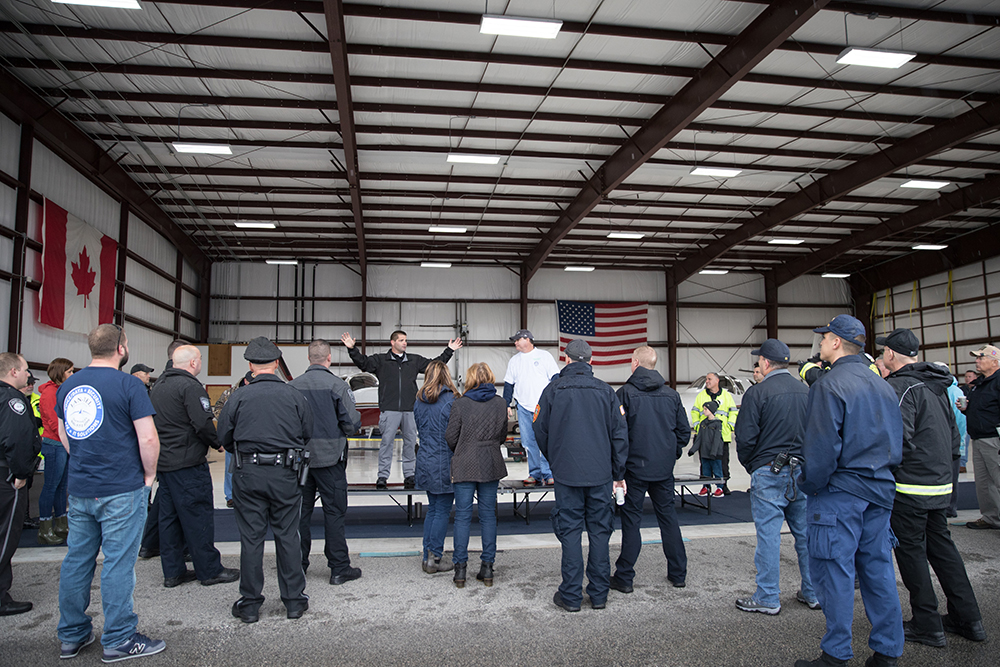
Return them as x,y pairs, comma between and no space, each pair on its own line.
578,350
900,340
849,328
987,351
773,349
521,333
141,367
31,379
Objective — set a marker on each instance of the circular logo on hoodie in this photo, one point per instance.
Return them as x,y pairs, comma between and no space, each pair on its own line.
83,412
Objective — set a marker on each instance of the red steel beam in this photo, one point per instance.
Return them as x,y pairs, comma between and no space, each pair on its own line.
949,203
834,186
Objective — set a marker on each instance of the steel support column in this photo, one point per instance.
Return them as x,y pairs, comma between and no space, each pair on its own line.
122,264
771,304
18,261
205,303
671,329
524,298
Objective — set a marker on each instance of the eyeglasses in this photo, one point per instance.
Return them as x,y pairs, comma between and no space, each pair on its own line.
121,332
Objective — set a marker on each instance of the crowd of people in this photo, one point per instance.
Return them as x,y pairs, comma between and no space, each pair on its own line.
860,464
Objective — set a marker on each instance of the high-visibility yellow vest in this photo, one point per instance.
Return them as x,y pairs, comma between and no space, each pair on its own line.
726,413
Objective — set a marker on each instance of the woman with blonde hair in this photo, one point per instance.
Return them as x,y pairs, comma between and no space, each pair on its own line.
476,431
53,525
433,467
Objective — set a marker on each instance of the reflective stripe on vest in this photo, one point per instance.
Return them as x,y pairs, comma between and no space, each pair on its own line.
921,490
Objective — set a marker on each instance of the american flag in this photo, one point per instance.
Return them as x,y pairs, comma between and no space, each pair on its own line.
613,330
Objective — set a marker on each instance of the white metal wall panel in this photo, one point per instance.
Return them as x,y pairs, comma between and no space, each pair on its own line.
10,145
148,243
148,312
190,276
148,282
8,206
337,280
42,344
71,190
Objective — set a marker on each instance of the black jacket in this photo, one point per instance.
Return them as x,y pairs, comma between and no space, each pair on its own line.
335,415
183,420
983,414
19,439
930,435
397,377
658,428
266,417
476,430
580,428
772,420
708,442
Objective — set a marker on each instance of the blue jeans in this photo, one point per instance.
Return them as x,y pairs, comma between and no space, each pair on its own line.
848,536
538,466
436,522
711,468
112,525
227,479
487,507
775,498
52,500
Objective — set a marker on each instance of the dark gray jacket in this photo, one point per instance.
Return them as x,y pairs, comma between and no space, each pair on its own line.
772,420
658,428
183,420
477,428
334,414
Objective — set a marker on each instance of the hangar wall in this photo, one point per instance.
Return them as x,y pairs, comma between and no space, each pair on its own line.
157,299
720,318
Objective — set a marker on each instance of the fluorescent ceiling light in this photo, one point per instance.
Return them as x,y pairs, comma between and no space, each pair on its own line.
468,158
929,246
116,4
282,261
436,265
625,235
836,275
715,171
714,272
208,149
787,241
516,26
852,55
578,268
925,185
446,230
246,224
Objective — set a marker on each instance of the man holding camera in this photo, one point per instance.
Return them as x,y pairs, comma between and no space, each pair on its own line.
769,445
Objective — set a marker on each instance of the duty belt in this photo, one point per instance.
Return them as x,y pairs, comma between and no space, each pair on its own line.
277,460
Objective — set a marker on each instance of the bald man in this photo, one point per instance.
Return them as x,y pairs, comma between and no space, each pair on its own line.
186,516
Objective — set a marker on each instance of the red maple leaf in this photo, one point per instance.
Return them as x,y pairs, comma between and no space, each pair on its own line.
83,277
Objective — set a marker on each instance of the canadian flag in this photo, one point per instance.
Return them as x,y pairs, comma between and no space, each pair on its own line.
78,273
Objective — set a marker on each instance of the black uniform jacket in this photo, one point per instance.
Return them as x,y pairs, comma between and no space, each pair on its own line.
930,436
397,376
983,414
266,417
183,420
19,439
658,428
772,419
333,409
580,428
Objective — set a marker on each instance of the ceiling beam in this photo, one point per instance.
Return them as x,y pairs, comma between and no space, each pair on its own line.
68,142
334,11
949,203
973,247
835,186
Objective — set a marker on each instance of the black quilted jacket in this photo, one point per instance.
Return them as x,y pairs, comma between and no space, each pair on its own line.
476,430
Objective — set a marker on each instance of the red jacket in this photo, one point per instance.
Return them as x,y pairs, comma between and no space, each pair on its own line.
47,406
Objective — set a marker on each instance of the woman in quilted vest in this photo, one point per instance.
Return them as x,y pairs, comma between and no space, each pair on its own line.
476,431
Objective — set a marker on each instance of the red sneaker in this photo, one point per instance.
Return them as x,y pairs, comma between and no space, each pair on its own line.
530,481
704,491
717,493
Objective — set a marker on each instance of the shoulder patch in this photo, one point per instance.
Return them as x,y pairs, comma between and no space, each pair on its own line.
535,415
205,403
621,408
17,405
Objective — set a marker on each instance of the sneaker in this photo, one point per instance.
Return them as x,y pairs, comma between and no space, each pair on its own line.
72,649
718,492
550,482
530,481
382,484
136,646
751,604
704,491
801,598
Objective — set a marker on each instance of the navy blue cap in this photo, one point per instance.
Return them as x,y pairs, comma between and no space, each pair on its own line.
578,350
261,351
902,341
773,349
521,333
846,327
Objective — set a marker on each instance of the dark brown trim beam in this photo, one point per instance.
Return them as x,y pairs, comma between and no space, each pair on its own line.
338,48
949,203
835,186
68,142
20,236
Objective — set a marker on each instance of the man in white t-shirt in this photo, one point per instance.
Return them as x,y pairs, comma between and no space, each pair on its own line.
528,373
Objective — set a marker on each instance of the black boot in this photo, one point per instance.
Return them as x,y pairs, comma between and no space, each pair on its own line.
486,573
880,660
824,660
459,577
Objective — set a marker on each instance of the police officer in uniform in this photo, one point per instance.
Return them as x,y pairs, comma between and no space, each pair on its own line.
580,428
19,448
267,426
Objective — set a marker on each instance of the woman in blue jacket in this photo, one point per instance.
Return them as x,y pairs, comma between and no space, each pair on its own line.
431,412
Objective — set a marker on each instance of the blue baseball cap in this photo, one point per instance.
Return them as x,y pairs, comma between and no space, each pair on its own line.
849,328
773,349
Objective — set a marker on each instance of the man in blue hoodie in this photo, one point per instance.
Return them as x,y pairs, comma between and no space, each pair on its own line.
853,440
658,431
